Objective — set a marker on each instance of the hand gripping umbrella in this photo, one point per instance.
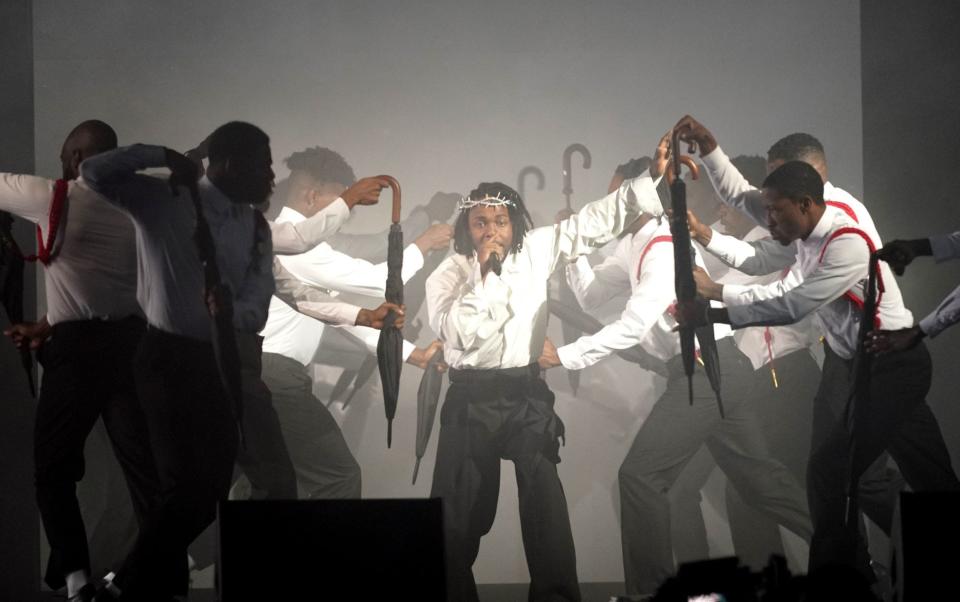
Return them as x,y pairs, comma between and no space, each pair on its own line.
564,294
219,300
428,398
858,405
686,287
11,287
529,170
390,345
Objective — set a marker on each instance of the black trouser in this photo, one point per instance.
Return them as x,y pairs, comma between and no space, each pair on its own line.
263,457
899,421
88,373
785,412
670,436
194,438
325,467
508,414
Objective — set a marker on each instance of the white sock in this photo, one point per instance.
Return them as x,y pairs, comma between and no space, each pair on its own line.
75,581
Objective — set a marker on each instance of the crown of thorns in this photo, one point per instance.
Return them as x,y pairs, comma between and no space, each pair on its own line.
487,201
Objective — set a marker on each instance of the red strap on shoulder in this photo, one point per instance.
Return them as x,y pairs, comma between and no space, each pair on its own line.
845,208
653,241
45,251
857,301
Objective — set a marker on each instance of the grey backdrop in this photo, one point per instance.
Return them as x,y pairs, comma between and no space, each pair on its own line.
444,95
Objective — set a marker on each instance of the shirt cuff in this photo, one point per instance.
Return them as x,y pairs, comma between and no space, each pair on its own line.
412,261
732,294
942,248
931,326
570,357
408,348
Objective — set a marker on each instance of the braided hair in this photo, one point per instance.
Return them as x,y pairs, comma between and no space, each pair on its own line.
519,217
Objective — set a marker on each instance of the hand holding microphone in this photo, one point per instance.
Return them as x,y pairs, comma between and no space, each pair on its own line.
491,256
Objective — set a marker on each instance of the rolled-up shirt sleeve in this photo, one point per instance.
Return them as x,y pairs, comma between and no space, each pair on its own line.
947,314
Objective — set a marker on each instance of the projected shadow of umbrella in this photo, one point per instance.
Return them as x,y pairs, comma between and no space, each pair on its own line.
564,294
428,398
390,344
686,287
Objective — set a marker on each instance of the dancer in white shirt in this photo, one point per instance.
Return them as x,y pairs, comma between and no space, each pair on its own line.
488,305
833,255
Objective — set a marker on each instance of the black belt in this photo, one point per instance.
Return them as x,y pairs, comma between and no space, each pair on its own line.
468,375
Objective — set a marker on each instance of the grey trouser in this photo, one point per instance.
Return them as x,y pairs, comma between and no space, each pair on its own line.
671,435
324,466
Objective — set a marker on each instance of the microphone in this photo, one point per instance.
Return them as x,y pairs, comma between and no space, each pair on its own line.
494,264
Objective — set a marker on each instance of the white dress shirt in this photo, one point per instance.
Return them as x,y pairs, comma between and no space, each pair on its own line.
645,320
311,301
945,247
784,340
291,237
297,336
170,276
500,321
842,269
93,275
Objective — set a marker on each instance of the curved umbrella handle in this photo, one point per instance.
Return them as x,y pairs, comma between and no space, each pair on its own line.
530,170
395,186
685,160
568,166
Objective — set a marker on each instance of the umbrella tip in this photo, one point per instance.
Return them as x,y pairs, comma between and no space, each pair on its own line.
389,433
416,471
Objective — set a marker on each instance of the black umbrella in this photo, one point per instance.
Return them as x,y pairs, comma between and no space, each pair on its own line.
858,404
529,170
564,294
11,287
390,345
686,287
219,300
428,398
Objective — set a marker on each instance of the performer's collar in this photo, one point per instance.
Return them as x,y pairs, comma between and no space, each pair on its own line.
214,198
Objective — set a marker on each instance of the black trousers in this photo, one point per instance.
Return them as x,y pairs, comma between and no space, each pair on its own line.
491,415
264,457
325,467
88,373
668,439
898,421
194,437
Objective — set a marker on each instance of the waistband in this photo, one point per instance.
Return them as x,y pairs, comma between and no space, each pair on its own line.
467,375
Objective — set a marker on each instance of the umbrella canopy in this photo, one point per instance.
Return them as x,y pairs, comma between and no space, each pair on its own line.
223,337
428,398
686,287
564,294
858,405
390,344
11,287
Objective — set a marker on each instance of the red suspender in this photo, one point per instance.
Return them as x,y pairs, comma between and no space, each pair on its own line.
44,251
845,208
849,294
655,240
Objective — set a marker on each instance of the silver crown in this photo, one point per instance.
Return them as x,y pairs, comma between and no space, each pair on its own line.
487,201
